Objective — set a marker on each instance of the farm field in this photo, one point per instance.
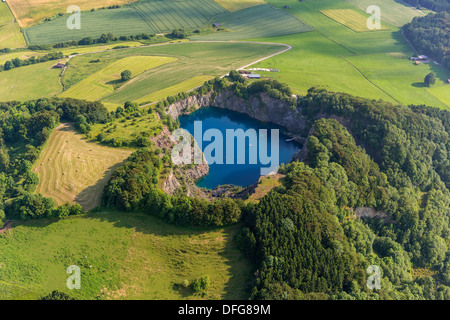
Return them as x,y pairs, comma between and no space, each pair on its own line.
102,82
10,35
235,5
20,54
72,170
175,89
133,256
141,17
343,60
29,12
349,18
194,59
395,13
257,22
30,82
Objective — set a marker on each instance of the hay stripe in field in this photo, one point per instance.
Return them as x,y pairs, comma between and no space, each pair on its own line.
71,169
350,18
101,83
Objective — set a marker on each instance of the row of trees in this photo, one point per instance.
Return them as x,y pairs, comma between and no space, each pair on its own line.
17,62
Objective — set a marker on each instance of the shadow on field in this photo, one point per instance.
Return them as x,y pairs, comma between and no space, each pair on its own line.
419,84
239,268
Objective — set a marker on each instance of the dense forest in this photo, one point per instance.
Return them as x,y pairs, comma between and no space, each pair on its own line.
435,5
310,220
430,35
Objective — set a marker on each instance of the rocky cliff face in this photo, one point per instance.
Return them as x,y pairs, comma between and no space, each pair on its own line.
260,107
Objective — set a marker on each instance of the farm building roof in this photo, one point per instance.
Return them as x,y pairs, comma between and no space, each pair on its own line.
254,76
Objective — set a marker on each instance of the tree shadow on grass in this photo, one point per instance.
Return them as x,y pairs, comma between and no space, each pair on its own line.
238,267
419,85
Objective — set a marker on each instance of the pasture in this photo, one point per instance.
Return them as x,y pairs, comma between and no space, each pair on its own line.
257,22
175,89
121,256
104,81
373,65
142,17
30,12
349,18
30,82
73,170
10,35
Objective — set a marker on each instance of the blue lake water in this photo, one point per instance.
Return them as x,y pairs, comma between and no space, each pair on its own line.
237,174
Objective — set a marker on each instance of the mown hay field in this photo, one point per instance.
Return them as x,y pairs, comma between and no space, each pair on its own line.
102,82
121,256
349,18
73,170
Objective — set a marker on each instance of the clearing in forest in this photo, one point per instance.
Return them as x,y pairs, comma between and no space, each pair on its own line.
73,170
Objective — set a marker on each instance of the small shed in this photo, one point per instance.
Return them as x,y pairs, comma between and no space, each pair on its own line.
254,76
59,65
448,81
217,24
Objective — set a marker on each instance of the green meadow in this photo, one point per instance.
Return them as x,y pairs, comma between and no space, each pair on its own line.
372,64
194,60
10,35
121,256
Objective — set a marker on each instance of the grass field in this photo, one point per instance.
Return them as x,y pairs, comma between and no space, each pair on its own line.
102,82
265,185
195,59
175,89
395,13
29,12
10,35
144,16
257,22
30,82
19,54
95,48
349,18
70,169
235,5
133,256
374,65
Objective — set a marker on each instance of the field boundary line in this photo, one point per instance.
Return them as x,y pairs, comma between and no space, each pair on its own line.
287,48
376,86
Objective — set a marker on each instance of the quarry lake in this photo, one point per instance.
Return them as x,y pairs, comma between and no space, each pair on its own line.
237,174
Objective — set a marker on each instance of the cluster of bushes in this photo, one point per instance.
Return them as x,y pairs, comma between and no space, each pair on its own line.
178,33
17,62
